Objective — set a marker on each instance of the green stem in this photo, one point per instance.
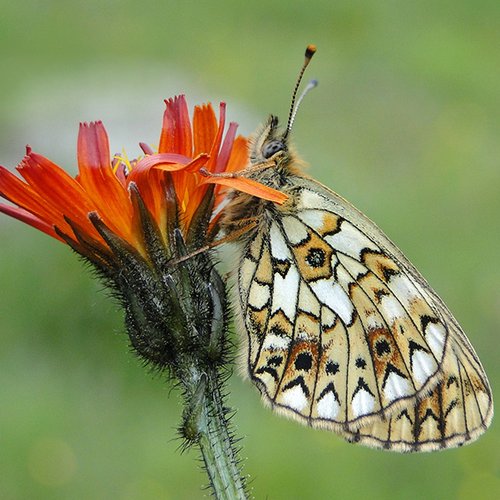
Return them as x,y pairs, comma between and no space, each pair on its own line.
177,314
205,419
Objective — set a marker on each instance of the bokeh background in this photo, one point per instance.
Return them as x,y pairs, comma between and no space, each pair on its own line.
405,124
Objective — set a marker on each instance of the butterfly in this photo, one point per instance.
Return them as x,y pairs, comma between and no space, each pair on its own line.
343,332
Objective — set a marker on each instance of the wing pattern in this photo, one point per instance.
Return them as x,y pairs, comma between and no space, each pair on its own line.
345,334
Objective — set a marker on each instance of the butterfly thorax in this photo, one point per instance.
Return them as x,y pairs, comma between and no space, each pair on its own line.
272,163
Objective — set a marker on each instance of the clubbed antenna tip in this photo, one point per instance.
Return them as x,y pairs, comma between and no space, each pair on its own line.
310,51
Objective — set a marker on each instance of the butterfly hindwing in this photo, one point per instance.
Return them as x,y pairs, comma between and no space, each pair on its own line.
345,334
458,409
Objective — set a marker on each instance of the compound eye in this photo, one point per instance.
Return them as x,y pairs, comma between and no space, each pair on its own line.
271,148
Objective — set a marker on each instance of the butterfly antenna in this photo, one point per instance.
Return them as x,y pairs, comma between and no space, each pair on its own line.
310,50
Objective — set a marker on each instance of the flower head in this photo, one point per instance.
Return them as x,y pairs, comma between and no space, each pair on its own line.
142,224
111,198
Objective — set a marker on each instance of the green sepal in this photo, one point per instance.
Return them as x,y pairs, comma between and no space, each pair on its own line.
158,252
196,235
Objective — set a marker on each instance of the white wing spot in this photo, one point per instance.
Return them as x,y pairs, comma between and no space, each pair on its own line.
312,199
312,218
363,403
396,387
246,270
391,308
483,401
275,342
285,292
328,317
344,278
373,320
423,366
435,334
328,407
354,267
259,295
404,288
302,334
307,301
279,248
333,295
350,240
295,398
295,231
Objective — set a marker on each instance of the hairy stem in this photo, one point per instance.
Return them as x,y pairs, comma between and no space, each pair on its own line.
206,424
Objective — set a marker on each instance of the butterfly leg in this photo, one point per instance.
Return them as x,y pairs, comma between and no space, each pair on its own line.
250,223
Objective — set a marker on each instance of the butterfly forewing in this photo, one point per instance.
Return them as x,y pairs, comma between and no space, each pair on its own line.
345,334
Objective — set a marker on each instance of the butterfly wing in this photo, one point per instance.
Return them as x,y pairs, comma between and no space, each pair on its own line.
457,410
344,333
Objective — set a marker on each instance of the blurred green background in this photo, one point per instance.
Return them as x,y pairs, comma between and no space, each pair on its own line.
405,124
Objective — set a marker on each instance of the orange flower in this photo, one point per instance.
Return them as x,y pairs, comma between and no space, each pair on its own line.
109,196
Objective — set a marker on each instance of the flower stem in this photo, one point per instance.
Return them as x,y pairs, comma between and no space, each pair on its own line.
206,421
177,315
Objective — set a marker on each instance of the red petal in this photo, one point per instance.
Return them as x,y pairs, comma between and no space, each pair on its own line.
93,146
204,128
176,135
152,190
168,161
239,155
225,150
106,191
200,161
214,151
46,199
249,186
58,193
19,193
30,219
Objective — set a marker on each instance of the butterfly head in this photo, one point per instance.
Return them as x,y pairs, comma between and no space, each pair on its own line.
269,142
